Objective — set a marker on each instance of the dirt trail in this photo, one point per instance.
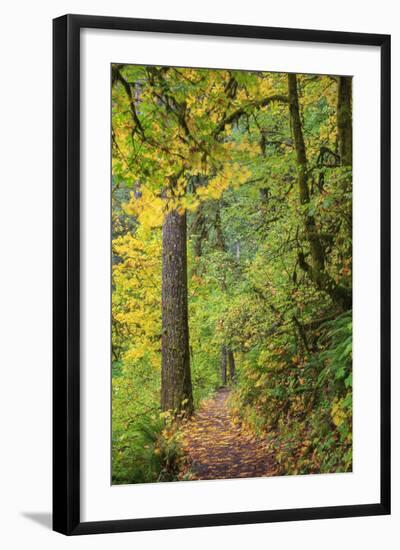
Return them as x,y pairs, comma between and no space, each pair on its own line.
217,448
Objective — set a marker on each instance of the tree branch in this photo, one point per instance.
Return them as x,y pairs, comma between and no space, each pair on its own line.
236,115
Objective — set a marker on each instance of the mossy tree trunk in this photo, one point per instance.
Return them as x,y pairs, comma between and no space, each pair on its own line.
223,365
316,270
198,230
344,120
231,363
221,246
176,384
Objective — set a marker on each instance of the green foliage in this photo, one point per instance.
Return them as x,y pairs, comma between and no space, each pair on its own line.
149,451
304,405
212,144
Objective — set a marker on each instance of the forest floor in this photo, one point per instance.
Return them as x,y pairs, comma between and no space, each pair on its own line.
217,447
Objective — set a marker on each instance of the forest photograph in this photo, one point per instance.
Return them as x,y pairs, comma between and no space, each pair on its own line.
231,268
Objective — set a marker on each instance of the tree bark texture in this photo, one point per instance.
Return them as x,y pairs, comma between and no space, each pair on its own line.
176,384
223,365
344,120
220,239
199,231
227,360
316,270
231,363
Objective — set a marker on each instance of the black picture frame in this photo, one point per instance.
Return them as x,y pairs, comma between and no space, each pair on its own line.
66,273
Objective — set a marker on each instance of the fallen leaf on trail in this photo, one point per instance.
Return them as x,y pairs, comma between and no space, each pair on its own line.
218,447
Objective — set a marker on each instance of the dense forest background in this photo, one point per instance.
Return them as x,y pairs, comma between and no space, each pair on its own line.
232,266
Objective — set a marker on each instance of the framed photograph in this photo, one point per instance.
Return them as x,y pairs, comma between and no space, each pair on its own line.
221,274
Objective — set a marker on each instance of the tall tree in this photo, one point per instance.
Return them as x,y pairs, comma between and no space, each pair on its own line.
199,231
176,384
344,120
231,364
223,365
316,269
220,244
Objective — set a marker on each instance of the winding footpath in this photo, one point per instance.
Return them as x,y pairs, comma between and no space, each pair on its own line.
218,448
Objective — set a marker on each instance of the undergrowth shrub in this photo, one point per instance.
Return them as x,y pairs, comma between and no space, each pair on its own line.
303,405
149,451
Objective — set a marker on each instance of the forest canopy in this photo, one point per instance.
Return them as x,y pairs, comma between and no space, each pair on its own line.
231,272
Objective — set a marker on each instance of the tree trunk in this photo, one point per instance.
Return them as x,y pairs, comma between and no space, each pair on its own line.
344,120
223,365
220,239
322,280
220,243
231,363
176,384
198,230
